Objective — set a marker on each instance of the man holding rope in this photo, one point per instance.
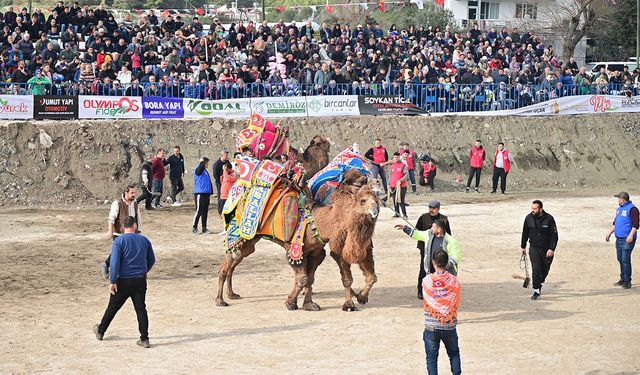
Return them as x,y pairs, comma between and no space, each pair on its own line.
542,233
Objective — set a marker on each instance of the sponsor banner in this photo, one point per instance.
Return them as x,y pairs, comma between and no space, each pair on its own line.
159,107
55,107
110,106
280,107
338,105
228,108
387,105
16,106
570,105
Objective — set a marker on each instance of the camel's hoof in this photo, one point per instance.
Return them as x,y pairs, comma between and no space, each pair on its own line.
291,306
362,299
221,303
349,306
311,306
234,296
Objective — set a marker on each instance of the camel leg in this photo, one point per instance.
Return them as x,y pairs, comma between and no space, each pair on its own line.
247,249
222,276
301,279
370,277
314,259
347,281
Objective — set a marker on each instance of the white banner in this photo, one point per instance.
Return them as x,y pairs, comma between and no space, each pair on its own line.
280,107
111,107
16,106
569,105
337,105
228,108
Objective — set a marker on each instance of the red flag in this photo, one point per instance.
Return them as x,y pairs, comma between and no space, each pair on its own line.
328,8
381,6
279,9
439,2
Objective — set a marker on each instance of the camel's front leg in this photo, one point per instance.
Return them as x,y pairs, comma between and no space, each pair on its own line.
223,271
370,278
301,279
314,259
347,281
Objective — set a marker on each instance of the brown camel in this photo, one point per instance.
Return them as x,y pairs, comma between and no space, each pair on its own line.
315,156
347,225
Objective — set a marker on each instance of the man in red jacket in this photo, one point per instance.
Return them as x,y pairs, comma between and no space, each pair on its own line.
501,166
157,168
379,158
409,157
476,159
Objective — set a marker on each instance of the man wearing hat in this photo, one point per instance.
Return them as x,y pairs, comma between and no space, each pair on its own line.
625,227
425,222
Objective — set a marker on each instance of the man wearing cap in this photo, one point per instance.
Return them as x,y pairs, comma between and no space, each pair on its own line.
425,222
542,233
625,227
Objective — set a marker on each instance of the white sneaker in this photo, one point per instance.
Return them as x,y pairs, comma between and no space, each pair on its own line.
222,233
177,204
169,200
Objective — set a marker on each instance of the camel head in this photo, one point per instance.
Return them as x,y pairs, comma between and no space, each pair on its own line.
366,200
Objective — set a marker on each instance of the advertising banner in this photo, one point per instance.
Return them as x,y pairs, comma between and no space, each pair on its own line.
280,107
333,105
228,108
16,106
159,107
387,105
55,107
110,107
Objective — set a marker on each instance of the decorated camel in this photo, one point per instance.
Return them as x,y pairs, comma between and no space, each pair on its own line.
285,211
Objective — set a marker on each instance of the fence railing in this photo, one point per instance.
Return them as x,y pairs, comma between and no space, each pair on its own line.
433,98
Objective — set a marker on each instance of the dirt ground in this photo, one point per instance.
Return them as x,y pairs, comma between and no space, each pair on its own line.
52,294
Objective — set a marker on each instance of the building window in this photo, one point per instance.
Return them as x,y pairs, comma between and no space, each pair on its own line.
529,11
489,11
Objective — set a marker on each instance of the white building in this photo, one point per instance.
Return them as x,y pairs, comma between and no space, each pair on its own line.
523,14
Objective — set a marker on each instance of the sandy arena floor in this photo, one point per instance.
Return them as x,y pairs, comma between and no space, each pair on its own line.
52,294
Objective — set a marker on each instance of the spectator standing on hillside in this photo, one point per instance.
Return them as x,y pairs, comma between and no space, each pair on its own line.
202,190
429,171
625,227
424,223
476,159
501,166
157,168
218,170
132,258
176,172
540,230
379,158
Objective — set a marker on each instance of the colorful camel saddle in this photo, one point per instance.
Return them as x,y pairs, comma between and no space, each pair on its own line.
327,180
264,138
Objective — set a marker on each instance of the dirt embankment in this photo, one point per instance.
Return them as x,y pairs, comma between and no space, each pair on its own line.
90,161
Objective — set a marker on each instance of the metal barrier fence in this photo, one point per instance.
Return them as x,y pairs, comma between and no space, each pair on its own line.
432,98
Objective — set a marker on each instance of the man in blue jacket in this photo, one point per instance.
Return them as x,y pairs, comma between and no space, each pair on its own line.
131,259
202,190
625,226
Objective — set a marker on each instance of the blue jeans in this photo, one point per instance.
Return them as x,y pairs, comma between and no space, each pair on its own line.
412,178
376,171
157,186
432,346
623,253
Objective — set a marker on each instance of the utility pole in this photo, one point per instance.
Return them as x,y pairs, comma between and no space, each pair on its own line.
30,3
263,15
637,34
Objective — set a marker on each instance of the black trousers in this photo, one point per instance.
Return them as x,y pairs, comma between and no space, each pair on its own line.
474,172
221,203
176,187
202,210
397,206
499,173
431,179
145,196
422,272
540,265
108,261
136,289
218,187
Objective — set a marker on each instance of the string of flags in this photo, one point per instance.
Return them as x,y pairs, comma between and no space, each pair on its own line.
380,5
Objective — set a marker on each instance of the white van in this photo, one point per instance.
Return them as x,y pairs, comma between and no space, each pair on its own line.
594,67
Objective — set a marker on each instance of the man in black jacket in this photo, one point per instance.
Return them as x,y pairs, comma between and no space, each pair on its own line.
176,172
146,176
424,223
540,230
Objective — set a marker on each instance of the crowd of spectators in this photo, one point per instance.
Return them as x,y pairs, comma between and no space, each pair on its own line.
77,50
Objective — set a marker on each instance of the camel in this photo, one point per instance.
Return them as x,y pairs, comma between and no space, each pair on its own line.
315,156
346,225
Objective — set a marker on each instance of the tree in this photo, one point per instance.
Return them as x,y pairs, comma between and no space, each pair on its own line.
409,14
612,38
